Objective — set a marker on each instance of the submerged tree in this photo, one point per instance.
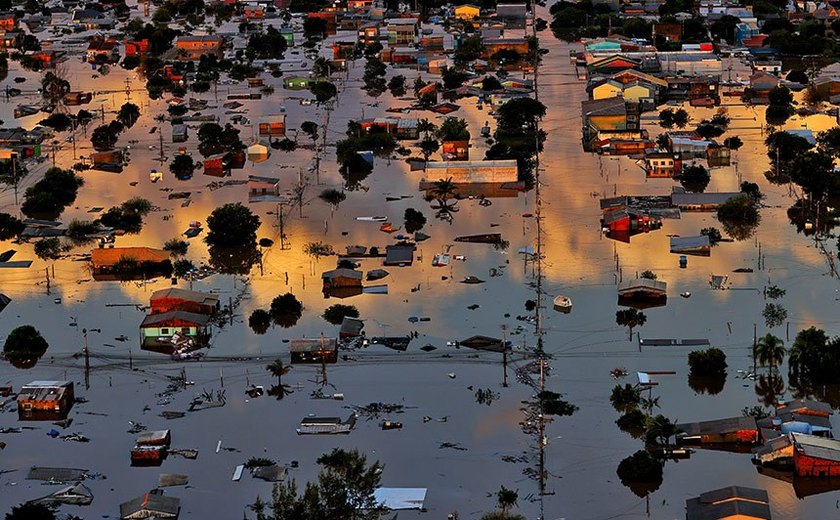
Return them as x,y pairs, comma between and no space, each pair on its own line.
630,318
24,346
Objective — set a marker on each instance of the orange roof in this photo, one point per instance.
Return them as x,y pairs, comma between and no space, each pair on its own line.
110,256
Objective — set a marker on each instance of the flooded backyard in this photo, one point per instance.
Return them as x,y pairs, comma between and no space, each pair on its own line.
460,449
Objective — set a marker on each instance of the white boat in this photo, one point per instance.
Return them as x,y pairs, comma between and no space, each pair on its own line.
372,219
440,260
563,304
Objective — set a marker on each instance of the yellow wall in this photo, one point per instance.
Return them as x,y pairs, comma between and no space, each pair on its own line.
608,122
606,91
637,92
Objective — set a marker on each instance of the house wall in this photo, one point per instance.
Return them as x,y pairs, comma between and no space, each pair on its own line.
617,122
606,91
812,467
157,332
637,93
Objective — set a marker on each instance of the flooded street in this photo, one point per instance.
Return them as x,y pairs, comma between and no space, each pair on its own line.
486,445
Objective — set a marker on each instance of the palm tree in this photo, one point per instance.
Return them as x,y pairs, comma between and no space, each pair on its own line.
507,499
770,350
442,190
278,370
659,429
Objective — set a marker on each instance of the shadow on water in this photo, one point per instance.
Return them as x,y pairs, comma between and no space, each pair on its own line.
228,260
706,385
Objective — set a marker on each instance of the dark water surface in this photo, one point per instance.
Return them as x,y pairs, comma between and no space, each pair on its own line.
582,451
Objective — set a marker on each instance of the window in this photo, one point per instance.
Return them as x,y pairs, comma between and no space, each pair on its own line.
185,330
164,331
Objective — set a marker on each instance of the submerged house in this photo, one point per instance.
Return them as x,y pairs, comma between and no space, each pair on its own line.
342,282
153,504
732,430
697,246
611,118
174,299
326,425
315,350
172,331
815,456
129,263
642,289
729,503
45,400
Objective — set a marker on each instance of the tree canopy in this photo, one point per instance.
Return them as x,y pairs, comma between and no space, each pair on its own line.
232,225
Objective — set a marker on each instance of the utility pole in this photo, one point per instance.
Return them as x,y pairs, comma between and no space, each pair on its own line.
87,360
47,274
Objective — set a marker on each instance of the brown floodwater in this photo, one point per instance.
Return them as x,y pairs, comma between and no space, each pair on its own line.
583,451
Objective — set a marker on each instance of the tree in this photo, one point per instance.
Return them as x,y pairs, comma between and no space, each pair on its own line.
347,484
176,247
286,310
31,511
453,129
323,91
182,167
48,248
54,88
128,216
104,137
10,226
733,143
278,370
335,314
232,225
713,234
506,498
428,146
333,197
128,114
268,45
648,275
707,363
310,128
48,197
625,398
752,189
659,429
518,115
774,314
694,178
814,172
24,346
414,220
769,350
814,359
344,490
630,318
640,467
259,321
397,86
739,217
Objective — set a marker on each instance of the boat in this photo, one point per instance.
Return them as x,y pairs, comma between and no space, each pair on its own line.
685,294
440,260
372,219
388,228
743,270
419,237
486,238
472,280
563,304
192,232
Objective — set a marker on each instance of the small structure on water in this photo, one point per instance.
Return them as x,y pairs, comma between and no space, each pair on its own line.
326,425
315,350
729,503
153,504
45,400
732,430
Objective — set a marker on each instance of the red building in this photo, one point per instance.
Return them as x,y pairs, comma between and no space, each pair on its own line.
816,456
45,400
166,300
136,47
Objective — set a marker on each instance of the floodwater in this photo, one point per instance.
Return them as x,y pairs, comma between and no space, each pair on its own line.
582,451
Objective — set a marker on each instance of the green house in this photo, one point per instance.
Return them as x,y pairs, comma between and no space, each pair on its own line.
296,83
169,331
